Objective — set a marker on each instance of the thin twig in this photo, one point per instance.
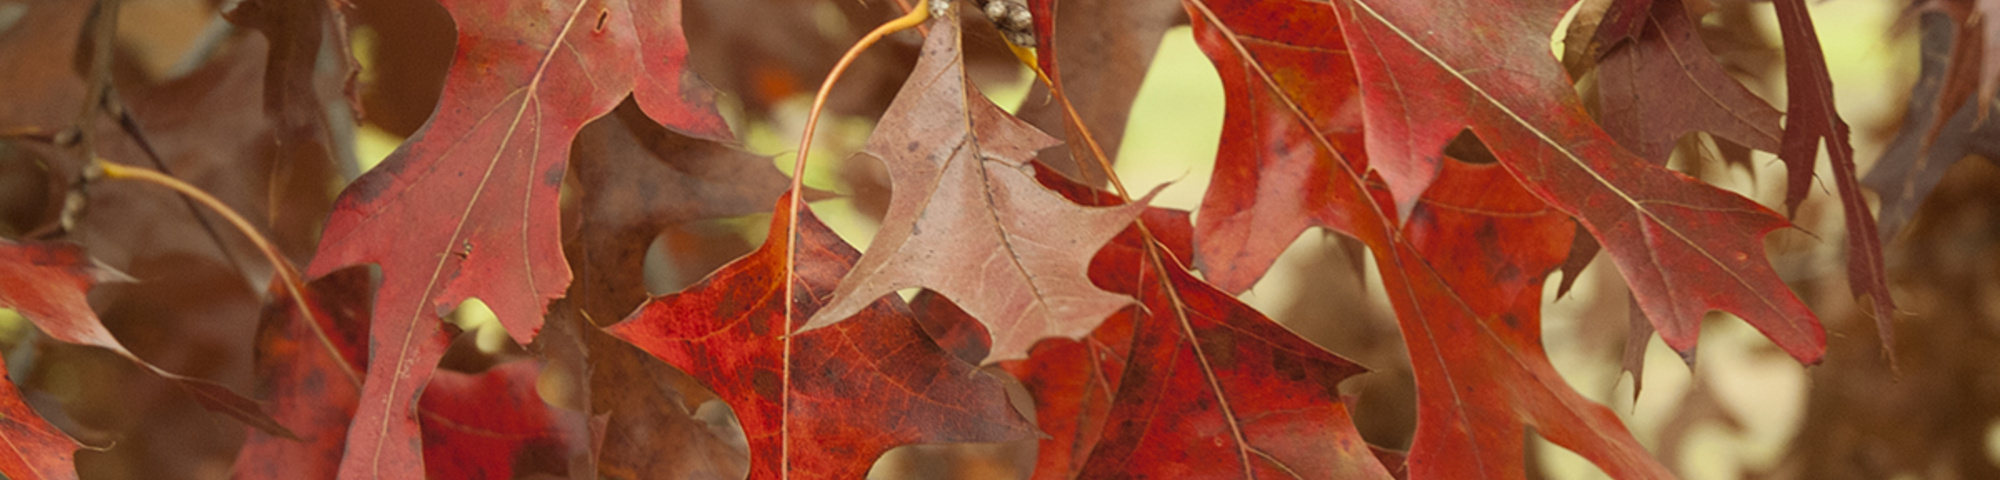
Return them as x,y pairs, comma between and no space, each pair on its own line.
130,125
288,274
915,17
103,33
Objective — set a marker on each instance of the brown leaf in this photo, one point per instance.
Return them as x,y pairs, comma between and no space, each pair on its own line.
1664,84
1101,52
639,179
968,220
296,30
1917,159
649,430
47,284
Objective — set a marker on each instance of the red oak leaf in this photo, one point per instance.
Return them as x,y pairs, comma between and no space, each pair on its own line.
1075,382
1213,389
1913,164
1685,247
35,449
297,30
968,221
1072,381
1195,352
667,89
469,206
1465,277
1288,160
1108,46
822,403
1273,78
39,282
1809,118
494,425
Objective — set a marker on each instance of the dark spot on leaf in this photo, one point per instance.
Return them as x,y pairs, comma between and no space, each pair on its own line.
1136,374
1508,273
554,176
912,147
767,384
603,15
1287,366
1221,350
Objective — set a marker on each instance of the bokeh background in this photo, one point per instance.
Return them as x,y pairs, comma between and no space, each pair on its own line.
1742,410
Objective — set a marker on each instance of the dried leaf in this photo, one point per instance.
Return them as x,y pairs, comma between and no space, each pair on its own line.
648,429
1664,84
638,180
968,221
1916,161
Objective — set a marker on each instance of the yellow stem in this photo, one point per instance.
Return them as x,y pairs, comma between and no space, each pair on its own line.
288,274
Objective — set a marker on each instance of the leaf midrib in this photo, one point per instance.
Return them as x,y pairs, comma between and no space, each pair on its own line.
409,335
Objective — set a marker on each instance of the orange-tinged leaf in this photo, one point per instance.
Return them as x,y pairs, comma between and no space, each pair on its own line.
1213,389
1072,381
968,220
1075,382
822,403
1685,247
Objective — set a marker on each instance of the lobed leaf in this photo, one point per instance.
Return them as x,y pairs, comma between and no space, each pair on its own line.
796,392
968,220
1685,247
1464,272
